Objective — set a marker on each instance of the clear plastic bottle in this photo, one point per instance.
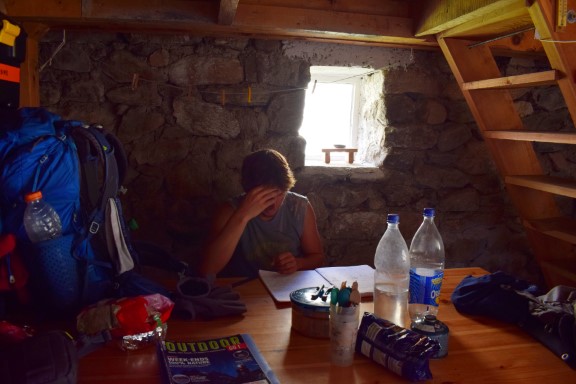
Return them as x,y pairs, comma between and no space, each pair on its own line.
391,276
426,268
41,221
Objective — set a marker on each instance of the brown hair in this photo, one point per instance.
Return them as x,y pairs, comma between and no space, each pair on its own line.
266,167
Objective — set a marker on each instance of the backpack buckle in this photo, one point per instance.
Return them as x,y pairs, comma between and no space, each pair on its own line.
94,227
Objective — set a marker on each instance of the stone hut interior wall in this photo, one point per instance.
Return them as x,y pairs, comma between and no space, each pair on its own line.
180,106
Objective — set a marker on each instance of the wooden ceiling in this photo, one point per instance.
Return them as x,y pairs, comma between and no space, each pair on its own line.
399,23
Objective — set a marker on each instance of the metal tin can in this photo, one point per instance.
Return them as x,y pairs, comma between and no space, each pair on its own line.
310,316
436,330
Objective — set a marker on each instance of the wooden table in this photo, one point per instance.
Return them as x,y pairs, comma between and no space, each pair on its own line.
480,350
328,151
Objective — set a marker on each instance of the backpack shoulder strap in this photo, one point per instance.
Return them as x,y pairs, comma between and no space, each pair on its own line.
100,176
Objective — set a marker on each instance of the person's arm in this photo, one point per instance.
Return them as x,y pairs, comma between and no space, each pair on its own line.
312,249
311,243
228,226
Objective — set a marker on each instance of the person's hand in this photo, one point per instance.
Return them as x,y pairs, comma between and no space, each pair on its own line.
285,263
257,200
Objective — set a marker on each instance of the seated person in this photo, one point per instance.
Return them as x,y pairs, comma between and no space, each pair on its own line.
267,227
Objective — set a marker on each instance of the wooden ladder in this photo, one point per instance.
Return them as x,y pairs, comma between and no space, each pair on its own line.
533,193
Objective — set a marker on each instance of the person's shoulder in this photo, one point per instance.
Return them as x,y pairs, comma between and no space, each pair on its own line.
296,196
296,202
236,200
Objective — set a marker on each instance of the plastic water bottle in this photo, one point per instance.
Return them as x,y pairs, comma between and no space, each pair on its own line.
391,276
40,220
426,268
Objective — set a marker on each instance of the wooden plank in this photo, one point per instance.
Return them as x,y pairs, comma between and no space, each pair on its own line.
556,185
522,44
560,272
552,240
322,20
398,8
46,8
561,228
151,12
538,136
30,77
506,19
227,11
562,56
441,15
494,110
516,81
200,17
481,350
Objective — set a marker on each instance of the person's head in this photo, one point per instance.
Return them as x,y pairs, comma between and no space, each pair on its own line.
267,167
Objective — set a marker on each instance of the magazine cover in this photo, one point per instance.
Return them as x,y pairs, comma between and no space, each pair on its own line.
233,359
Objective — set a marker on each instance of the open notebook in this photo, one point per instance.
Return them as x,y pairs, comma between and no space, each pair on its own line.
280,285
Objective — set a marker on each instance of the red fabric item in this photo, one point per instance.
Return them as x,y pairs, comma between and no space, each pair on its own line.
13,274
131,315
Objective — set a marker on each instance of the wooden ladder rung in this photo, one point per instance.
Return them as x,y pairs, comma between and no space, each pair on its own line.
564,271
539,136
561,228
517,81
551,184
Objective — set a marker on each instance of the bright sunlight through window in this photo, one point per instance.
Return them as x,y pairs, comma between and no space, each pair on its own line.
331,110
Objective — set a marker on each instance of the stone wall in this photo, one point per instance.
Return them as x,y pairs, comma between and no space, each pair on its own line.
180,105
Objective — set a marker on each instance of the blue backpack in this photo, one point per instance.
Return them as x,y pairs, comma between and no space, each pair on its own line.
79,168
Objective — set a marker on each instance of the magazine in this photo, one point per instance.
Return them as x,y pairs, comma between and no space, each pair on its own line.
280,285
226,360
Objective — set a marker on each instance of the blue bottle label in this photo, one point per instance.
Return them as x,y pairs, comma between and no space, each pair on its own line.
425,289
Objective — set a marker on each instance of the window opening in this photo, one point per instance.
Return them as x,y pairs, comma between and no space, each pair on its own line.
332,112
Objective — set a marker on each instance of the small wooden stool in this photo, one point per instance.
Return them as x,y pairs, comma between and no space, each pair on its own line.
328,151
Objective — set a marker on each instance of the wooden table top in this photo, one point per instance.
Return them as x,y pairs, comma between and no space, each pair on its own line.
480,350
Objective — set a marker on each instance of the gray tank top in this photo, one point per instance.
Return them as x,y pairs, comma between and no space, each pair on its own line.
262,240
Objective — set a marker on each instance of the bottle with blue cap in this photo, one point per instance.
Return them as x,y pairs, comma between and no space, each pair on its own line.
426,268
391,276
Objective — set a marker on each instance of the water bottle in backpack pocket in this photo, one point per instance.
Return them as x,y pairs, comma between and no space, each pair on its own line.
79,168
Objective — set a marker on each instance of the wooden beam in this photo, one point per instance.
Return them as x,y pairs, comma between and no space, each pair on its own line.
559,47
539,136
556,185
509,18
252,19
47,8
516,81
227,11
323,20
441,15
563,228
30,77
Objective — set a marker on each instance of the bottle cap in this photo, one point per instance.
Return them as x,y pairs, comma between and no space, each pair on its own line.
393,218
33,196
429,212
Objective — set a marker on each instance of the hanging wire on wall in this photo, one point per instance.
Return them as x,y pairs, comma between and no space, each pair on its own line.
58,48
249,91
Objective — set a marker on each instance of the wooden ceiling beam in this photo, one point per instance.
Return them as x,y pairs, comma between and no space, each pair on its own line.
222,18
498,22
227,11
469,15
